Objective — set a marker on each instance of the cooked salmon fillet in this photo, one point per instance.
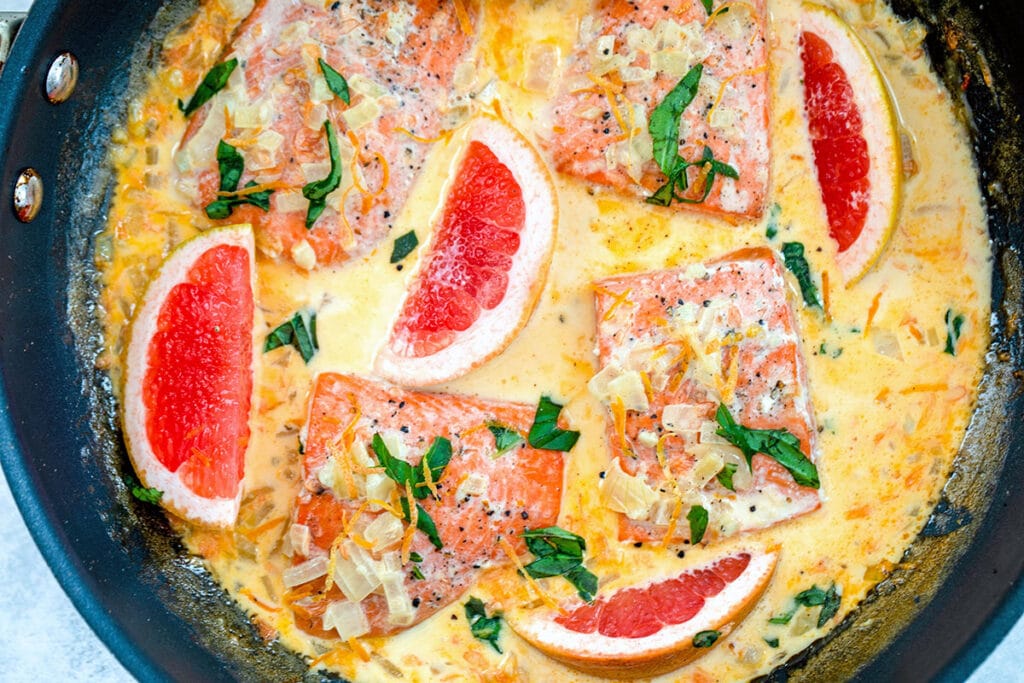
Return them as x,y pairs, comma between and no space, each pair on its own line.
717,333
628,56
480,496
399,58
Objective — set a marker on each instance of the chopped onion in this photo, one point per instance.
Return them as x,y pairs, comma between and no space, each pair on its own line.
251,116
384,531
358,575
708,463
629,386
543,69
289,201
647,438
395,442
305,572
364,86
635,74
378,487
475,484
315,171
400,609
361,114
391,561
624,493
299,536
886,343
317,114
347,618
303,255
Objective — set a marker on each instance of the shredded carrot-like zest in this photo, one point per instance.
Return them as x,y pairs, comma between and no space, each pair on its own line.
673,521
648,389
387,506
254,533
245,191
826,296
618,300
428,478
923,388
249,594
463,16
727,81
915,333
618,409
355,517
361,541
414,518
541,593
444,134
872,311
358,648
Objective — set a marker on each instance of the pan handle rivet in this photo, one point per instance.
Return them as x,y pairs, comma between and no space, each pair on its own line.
28,195
61,78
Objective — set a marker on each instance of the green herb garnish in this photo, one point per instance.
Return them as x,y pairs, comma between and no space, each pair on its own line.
505,438
708,6
560,553
415,556
417,573
773,221
698,519
299,332
402,473
772,642
725,475
483,627
797,264
214,81
147,494
783,618
231,165
779,444
335,81
545,433
404,246
316,192
828,600
954,323
706,638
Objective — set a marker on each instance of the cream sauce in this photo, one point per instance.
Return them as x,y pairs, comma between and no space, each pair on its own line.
890,423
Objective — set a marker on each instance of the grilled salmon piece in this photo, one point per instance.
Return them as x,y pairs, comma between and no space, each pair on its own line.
629,55
693,338
480,496
399,58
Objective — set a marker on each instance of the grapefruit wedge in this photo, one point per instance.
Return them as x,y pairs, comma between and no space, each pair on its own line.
853,129
654,627
485,266
189,376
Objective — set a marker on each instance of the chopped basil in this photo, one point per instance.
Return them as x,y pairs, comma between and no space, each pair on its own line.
664,122
708,6
147,494
417,573
698,519
214,81
954,323
772,642
404,246
335,81
299,332
415,556
437,458
725,475
678,179
773,221
828,600
797,264
706,638
545,433
423,522
230,164
560,553
783,618
505,438
829,605
483,627
779,444
316,192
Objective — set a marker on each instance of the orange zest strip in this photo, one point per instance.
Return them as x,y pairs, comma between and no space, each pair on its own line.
428,478
618,409
618,300
245,191
923,388
872,311
463,16
259,603
355,517
670,532
443,135
414,518
541,593
826,296
358,648
256,532
730,79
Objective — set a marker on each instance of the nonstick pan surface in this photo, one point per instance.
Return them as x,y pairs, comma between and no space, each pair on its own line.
166,619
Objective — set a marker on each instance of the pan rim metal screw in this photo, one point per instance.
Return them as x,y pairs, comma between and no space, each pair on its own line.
61,78
28,195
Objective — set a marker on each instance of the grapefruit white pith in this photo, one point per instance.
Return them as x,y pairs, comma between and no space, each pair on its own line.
652,628
485,265
188,377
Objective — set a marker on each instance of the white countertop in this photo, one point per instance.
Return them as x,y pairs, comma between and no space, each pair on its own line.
43,638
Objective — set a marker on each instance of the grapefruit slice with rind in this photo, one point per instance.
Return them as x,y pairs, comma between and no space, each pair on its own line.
486,263
855,136
189,376
654,627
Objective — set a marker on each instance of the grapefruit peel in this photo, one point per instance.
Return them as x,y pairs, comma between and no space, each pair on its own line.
176,497
665,650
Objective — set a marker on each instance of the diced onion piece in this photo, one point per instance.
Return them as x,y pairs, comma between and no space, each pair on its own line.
315,171
391,561
347,618
359,83
238,9
396,444
475,484
640,38
289,201
647,438
588,113
270,141
635,74
299,536
378,487
251,115
316,116
682,418
358,575
886,343
661,511
598,384
400,609
384,531
708,463
629,386
319,91
361,114
305,572
543,68
624,493
804,620
709,434
303,255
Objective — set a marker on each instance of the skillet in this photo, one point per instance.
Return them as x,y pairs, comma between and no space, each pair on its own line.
937,617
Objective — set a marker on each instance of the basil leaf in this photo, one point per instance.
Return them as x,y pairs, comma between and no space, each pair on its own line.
553,565
783,618
404,246
482,626
779,444
584,581
415,556
560,553
297,333
773,221
398,470
230,164
677,180
725,475
812,597
423,521
772,642
797,264
545,433
830,607
147,494
954,323
553,539
437,456
335,81
505,438
316,192
417,573
698,518
708,6
214,81
706,638
664,122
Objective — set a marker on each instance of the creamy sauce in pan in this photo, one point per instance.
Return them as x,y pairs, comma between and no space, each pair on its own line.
891,405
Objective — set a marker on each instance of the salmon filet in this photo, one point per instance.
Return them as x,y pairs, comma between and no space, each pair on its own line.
399,59
673,345
482,495
628,56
